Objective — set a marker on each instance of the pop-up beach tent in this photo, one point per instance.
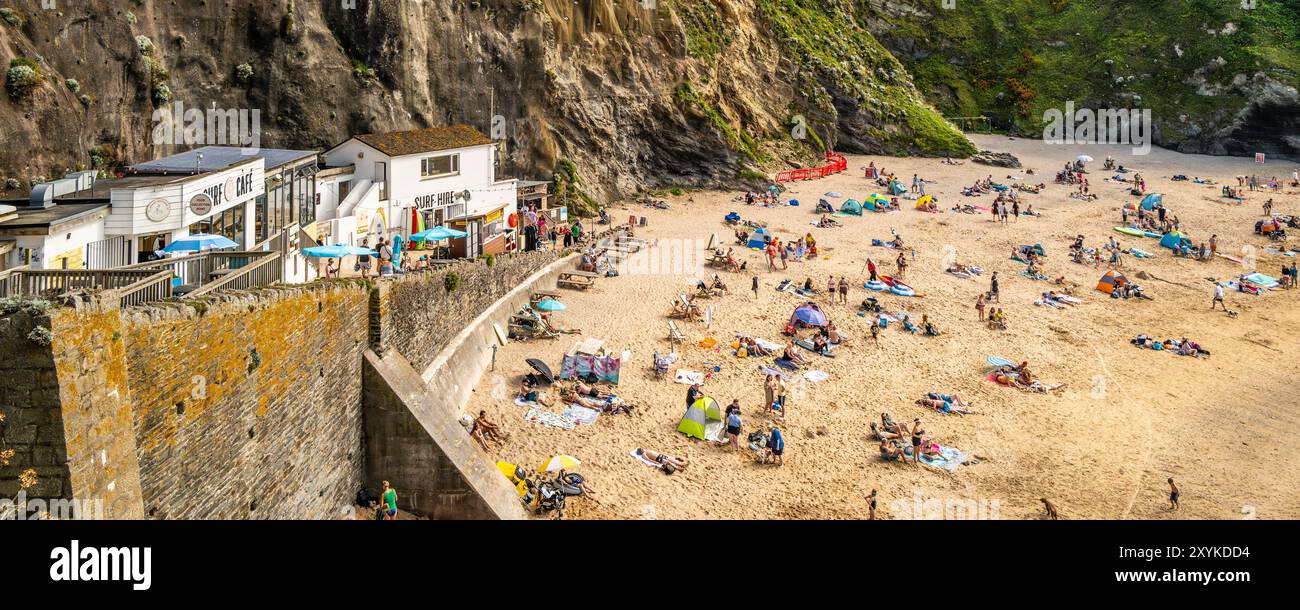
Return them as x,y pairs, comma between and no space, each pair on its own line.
1111,281
852,207
759,238
1150,202
1175,240
698,415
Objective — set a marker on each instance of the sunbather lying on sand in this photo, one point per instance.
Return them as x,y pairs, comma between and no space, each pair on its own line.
794,354
662,458
890,451
945,404
530,393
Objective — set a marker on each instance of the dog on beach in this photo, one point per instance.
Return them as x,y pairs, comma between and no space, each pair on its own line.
1051,509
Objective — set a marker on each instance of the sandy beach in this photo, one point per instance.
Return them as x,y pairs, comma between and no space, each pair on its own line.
1224,427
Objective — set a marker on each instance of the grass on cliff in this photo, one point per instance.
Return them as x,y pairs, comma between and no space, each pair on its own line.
1015,59
824,37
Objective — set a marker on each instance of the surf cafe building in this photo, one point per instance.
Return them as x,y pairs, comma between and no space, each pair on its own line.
400,183
121,221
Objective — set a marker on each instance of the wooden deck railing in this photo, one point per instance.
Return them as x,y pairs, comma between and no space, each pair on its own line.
133,286
265,271
195,270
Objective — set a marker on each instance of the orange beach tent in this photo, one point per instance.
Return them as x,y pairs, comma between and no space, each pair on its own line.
1111,281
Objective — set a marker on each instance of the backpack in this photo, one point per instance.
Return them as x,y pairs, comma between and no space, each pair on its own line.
668,468
367,497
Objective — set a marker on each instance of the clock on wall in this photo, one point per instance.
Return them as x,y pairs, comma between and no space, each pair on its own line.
158,210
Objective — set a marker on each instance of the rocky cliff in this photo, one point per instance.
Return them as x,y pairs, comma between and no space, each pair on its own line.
632,93
1219,76
629,94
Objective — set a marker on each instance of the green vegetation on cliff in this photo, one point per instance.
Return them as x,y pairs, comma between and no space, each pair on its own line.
825,38
1015,59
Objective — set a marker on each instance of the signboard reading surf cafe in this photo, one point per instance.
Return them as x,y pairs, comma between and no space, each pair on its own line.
220,191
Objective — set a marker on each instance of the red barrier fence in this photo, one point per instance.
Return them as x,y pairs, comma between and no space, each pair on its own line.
835,163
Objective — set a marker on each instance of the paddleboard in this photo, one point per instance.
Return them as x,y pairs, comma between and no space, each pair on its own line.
1133,232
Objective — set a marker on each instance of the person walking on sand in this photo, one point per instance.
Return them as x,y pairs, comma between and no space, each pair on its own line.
902,265
844,291
871,505
993,288
771,257
979,306
1218,297
1214,245
754,287
875,331
769,391
1173,495
871,267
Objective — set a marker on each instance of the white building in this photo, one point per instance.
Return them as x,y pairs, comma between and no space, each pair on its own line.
386,184
82,222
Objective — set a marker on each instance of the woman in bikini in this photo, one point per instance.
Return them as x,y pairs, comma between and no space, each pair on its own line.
918,435
662,458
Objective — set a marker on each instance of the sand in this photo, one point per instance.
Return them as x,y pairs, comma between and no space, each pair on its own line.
1224,427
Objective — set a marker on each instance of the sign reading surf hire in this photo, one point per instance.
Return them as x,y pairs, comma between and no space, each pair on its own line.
434,200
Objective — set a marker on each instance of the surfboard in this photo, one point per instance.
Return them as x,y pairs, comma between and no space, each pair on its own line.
1133,232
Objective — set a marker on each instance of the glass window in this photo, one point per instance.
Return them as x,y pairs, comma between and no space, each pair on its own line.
445,165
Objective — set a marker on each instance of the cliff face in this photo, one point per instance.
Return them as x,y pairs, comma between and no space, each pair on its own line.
635,93
1219,76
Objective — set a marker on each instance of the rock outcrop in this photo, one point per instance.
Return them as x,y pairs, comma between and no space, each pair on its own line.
687,93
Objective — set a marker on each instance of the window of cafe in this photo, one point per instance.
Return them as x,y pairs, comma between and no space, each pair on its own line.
290,197
147,247
229,223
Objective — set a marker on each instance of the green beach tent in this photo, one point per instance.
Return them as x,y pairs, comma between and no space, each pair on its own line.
852,207
697,415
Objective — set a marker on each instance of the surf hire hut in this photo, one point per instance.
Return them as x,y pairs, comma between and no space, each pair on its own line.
401,183
80,222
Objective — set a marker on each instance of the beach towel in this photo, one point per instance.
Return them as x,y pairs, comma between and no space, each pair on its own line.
525,403
644,460
765,370
816,376
689,377
580,415
1259,279
948,460
785,364
546,418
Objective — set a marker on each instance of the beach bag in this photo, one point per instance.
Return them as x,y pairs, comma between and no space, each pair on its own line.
668,468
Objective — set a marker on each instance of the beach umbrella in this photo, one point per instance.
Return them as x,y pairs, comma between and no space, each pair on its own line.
549,305
438,234
542,369
559,462
1083,159
810,315
199,242
999,361
336,251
